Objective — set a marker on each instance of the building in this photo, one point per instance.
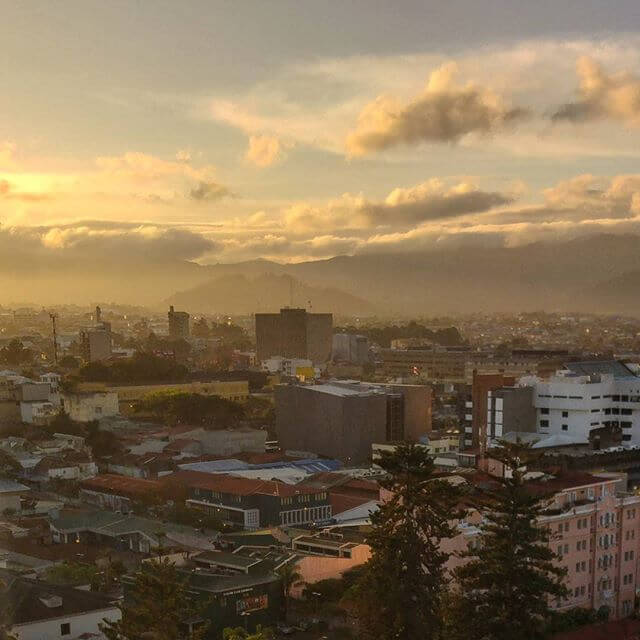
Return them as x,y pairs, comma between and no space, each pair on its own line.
119,493
234,390
95,344
290,367
254,503
84,407
595,531
587,396
225,442
342,419
42,610
178,324
508,409
40,413
351,348
435,444
294,333
10,494
444,364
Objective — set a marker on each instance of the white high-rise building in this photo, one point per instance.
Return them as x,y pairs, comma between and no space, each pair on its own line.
587,396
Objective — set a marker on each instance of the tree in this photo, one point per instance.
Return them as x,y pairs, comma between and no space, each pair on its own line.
400,593
241,634
157,607
6,611
503,591
290,576
15,353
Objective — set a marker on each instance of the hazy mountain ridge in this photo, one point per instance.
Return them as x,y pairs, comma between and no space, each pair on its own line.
600,273
242,293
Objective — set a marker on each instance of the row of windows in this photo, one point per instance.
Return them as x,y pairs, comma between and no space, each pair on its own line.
629,555
631,513
630,535
302,516
627,578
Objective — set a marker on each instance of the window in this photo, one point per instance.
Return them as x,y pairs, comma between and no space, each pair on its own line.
65,629
565,427
544,411
544,423
565,414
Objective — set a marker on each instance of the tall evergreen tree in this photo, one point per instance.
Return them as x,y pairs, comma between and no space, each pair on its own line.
290,576
503,590
400,594
157,607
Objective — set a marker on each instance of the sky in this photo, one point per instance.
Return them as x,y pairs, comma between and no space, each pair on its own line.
297,130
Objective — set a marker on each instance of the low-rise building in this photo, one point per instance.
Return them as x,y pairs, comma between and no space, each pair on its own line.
40,610
85,407
254,503
10,494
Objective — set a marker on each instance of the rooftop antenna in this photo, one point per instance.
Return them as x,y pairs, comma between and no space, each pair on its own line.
53,317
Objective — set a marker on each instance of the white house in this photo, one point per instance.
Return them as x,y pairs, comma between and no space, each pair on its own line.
45,611
10,493
84,407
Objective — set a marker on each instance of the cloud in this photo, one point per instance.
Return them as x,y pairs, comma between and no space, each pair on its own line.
264,151
428,201
208,191
615,96
443,112
94,243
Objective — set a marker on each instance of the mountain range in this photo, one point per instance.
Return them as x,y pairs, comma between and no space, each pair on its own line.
598,273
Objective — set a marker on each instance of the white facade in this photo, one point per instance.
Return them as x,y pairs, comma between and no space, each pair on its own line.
575,405
38,412
91,406
69,627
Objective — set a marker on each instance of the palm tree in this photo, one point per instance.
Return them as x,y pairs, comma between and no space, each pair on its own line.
290,576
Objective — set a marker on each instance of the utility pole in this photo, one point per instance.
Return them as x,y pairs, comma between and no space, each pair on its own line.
53,317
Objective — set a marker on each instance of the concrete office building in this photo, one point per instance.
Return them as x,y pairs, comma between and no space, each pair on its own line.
350,347
178,324
343,419
294,333
95,344
587,396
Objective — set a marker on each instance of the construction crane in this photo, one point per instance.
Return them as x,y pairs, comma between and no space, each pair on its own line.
53,317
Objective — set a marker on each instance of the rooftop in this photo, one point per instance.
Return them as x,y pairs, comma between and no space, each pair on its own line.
25,600
613,367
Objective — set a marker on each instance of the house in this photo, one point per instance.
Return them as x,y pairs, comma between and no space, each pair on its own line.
67,466
10,492
84,407
41,610
118,493
150,465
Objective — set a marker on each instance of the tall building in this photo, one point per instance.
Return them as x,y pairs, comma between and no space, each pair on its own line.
342,419
178,324
294,333
349,347
95,344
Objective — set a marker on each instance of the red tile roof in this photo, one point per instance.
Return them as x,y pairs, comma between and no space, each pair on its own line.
239,486
121,485
341,503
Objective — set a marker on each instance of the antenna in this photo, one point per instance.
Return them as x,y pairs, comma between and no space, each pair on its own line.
291,292
53,317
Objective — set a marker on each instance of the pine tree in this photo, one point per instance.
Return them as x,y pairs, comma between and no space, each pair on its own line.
157,607
399,596
503,591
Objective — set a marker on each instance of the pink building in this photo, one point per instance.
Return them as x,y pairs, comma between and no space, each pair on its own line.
595,530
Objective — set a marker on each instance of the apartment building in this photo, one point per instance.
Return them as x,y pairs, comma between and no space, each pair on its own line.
178,324
594,530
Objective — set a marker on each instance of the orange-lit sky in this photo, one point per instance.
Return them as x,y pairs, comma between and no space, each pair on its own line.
297,129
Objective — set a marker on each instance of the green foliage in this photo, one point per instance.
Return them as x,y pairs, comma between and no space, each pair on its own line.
68,362
384,335
15,354
210,412
142,368
71,573
400,594
157,607
240,634
503,591
563,621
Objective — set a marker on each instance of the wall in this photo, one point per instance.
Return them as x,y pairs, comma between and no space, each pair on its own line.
93,406
316,568
80,624
228,441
